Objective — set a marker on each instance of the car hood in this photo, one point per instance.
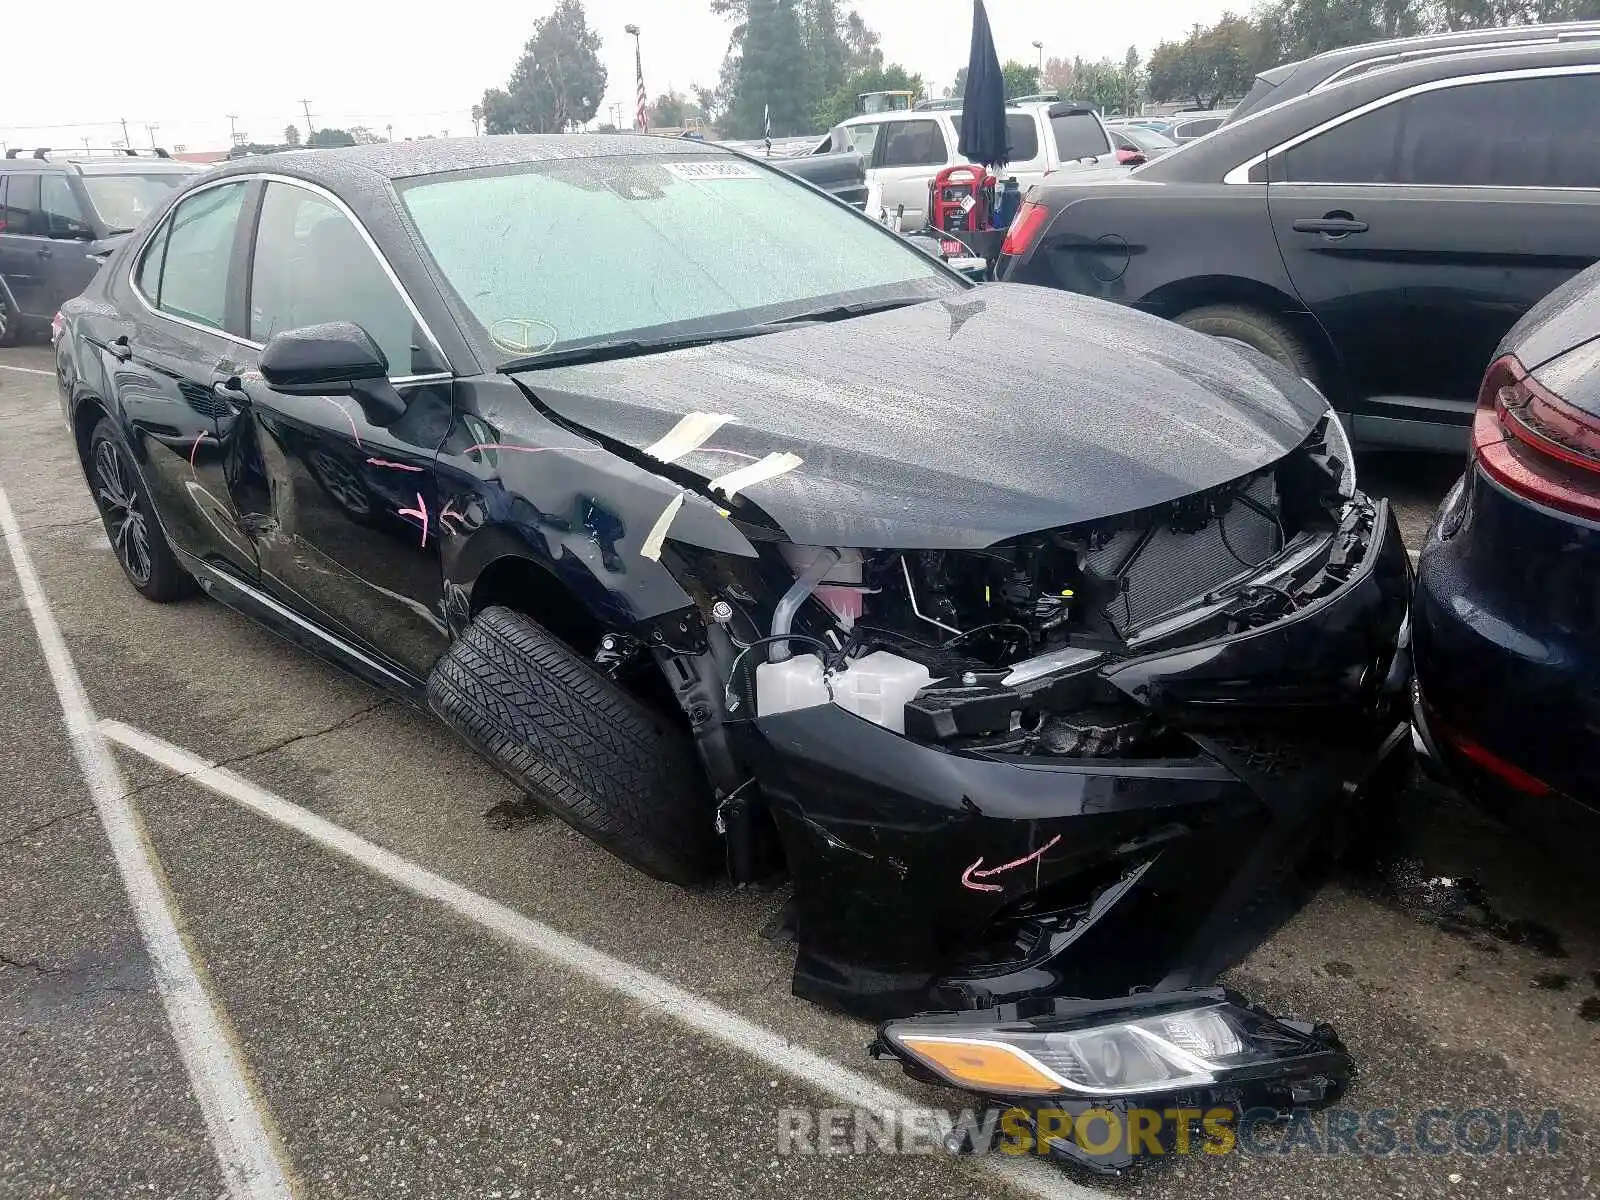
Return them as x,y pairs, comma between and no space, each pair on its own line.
951,423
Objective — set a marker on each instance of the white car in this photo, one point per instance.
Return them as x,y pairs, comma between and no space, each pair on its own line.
905,150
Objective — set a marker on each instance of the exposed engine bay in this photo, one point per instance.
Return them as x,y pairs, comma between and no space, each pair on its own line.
1001,649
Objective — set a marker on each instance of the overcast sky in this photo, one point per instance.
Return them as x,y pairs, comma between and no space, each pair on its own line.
185,64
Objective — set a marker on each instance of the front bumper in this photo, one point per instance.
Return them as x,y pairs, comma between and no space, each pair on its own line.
926,878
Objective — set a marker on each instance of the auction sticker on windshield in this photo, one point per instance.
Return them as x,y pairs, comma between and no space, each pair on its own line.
713,170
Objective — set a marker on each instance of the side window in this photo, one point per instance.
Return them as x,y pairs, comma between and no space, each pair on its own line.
864,138
197,247
1079,135
63,215
155,256
1538,132
914,144
1362,150
311,265
1506,133
1023,134
22,204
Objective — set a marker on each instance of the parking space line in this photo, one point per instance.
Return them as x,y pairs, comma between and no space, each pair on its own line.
245,1151
1029,1177
26,370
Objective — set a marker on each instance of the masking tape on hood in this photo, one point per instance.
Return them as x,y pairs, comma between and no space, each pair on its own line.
769,467
688,435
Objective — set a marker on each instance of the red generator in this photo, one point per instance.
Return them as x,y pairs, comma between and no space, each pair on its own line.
957,200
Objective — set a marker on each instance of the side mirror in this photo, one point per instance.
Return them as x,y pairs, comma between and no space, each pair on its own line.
333,359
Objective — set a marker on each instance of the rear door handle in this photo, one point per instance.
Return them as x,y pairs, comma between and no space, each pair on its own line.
1333,225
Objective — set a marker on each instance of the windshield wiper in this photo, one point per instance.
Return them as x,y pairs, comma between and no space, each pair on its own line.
629,348
841,312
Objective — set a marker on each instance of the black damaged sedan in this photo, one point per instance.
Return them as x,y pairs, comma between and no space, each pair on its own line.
1034,638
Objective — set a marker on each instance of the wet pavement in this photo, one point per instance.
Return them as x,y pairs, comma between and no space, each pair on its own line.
397,1044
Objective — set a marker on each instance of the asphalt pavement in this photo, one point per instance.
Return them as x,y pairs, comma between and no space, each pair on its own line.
418,988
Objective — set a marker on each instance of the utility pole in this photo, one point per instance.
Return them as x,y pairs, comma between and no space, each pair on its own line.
306,105
233,129
151,130
86,144
389,129
125,141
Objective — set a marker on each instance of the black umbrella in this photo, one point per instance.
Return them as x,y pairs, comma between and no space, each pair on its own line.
983,109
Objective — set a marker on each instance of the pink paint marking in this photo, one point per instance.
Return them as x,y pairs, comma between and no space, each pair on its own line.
345,413
193,450
421,513
384,462
973,872
447,514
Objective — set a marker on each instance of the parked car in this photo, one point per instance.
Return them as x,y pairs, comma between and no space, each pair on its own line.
1376,237
905,150
1293,80
1186,127
1035,637
60,213
1508,584
1137,144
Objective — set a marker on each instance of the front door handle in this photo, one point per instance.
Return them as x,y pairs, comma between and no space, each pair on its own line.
1334,224
45,252
121,349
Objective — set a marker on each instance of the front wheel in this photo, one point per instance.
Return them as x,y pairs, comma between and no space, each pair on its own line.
136,538
10,322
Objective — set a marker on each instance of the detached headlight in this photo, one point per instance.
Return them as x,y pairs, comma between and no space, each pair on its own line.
1133,1046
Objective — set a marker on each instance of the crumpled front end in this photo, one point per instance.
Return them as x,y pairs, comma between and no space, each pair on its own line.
1082,764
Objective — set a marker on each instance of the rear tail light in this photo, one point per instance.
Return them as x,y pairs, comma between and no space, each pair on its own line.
1025,228
1532,442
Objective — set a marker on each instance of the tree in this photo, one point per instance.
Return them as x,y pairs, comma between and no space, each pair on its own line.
332,137
1022,79
827,52
842,104
291,134
365,136
772,73
1099,83
1211,63
673,110
558,80
1059,77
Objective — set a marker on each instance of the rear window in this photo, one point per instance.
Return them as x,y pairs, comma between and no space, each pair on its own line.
124,201
1256,97
1079,135
1023,134
651,246
913,144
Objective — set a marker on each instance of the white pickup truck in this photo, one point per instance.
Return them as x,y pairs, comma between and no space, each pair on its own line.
905,150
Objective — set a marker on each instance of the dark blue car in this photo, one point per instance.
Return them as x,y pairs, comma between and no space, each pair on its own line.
1508,585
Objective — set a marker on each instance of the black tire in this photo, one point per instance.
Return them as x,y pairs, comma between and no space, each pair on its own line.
606,764
136,539
10,322
1260,330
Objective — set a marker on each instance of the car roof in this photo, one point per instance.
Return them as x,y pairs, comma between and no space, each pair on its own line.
1208,158
120,164
335,166
1308,73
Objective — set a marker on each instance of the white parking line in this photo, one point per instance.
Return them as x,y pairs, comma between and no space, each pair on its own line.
1030,1177
245,1152
26,370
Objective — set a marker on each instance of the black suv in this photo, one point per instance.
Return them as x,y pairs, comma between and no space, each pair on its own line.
58,212
1379,237
1292,80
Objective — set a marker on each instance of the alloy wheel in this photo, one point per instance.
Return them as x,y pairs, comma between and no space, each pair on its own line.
123,508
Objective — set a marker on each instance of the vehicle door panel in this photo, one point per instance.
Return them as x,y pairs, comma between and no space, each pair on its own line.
1420,231
1419,299
68,234
343,511
164,362
344,514
907,156
20,261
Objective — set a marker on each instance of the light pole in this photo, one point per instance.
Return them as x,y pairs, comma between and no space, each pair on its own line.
1039,46
638,70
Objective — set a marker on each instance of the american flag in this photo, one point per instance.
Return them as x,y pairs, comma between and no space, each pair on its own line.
641,120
